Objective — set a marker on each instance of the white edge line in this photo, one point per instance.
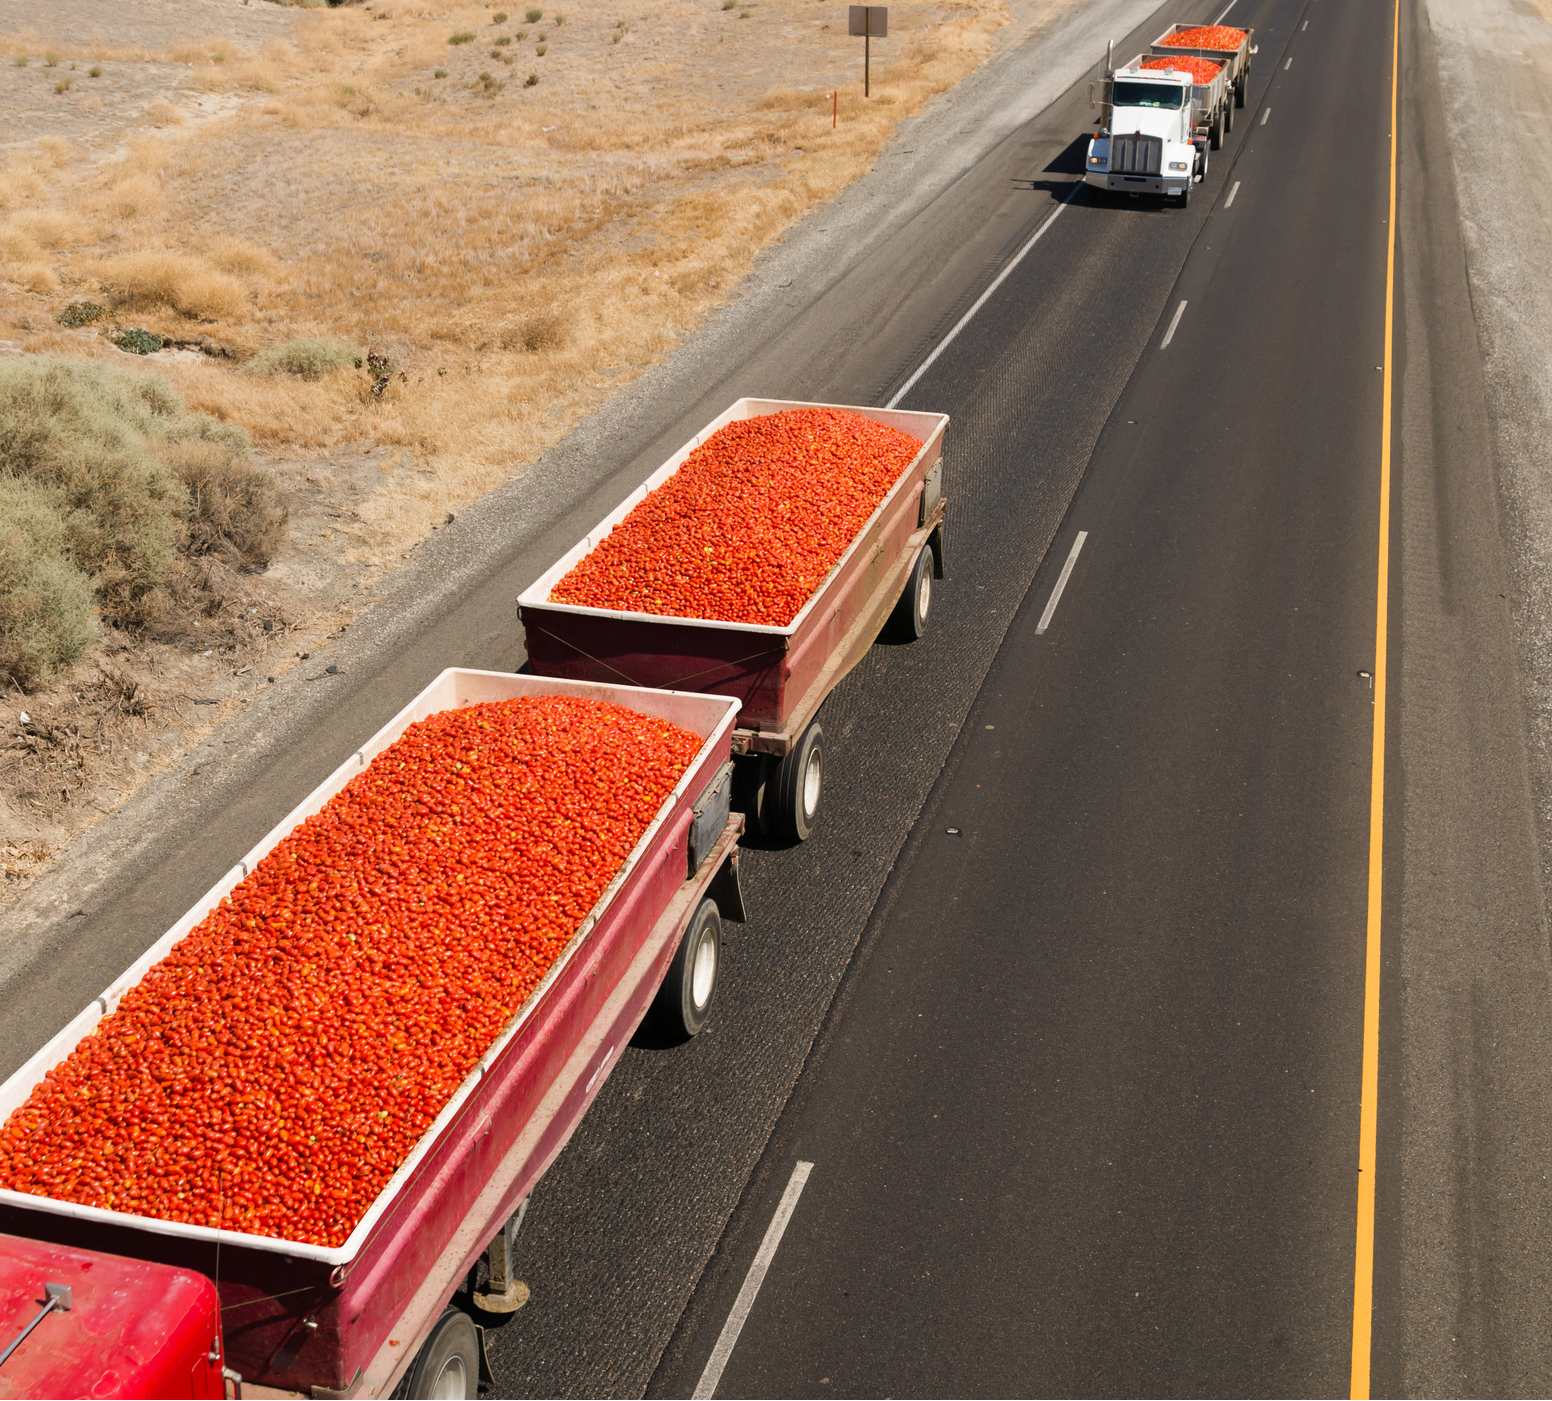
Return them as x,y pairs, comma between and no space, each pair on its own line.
1264,116
1174,321
1061,583
707,1386
1226,9
1232,193
980,301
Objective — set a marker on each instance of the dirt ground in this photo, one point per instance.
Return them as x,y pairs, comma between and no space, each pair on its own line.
516,224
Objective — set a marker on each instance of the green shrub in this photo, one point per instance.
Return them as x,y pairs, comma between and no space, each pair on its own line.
534,16
500,17
81,314
463,36
306,358
109,484
138,341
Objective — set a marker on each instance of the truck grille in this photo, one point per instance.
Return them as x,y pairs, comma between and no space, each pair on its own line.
1136,155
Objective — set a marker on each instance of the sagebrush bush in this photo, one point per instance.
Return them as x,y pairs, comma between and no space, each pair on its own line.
306,358
120,487
46,602
234,509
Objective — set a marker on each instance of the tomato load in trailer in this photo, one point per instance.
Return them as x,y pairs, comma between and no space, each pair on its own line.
376,1311
781,673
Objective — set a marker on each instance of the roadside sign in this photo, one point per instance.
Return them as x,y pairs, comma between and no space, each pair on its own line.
864,21
868,22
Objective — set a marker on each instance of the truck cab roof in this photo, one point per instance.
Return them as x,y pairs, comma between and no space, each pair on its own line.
130,1328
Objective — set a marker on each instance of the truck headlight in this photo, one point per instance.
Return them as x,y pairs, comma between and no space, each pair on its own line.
1177,165
1096,160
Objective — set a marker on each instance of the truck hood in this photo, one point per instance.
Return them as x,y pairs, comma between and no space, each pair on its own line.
1146,121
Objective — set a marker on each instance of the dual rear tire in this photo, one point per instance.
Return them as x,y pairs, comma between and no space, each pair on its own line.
684,997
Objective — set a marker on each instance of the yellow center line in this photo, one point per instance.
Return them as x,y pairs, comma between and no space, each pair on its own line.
1368,1119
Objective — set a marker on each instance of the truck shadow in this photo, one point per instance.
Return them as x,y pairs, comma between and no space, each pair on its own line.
1057,177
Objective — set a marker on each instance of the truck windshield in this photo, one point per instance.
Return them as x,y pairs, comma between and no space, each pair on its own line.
1147,95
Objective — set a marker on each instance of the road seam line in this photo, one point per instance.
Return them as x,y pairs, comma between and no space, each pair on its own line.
1174,321
980,301
1368,1114
1061,583
707,1386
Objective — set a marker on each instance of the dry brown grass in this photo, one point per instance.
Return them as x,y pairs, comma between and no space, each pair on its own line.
516,256
182,281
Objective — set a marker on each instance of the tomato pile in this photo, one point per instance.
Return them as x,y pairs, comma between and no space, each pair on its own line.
272,1072
1221,37
1202,69
750,524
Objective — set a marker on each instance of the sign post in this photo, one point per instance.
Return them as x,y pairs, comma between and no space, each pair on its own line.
868,21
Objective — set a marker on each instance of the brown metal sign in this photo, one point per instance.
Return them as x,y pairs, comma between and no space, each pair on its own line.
868,21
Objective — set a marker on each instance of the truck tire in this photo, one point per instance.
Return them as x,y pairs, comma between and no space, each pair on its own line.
683,1002
1183,199
1239,93
1228,116
449,1364
1215,136
792,793
909,619
1202,164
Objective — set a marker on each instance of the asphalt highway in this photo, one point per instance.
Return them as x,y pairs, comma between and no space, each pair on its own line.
1089,1123
1063,1000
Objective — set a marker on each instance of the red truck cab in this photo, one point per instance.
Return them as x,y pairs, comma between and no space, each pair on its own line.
76,1323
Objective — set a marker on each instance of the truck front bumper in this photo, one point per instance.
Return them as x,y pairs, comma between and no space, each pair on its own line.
1138,184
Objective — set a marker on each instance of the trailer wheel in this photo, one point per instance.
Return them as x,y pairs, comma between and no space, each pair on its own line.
909,619
792,795
449,1364
1228,115
683,1002
1239,92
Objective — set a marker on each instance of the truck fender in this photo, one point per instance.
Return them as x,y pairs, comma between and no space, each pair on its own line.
726,891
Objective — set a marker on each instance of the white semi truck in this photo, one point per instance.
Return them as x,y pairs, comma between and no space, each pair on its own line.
1162,116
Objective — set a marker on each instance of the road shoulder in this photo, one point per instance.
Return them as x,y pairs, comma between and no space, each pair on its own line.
1467,1047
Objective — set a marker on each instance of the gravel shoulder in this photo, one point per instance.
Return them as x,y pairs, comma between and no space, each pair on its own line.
1495,60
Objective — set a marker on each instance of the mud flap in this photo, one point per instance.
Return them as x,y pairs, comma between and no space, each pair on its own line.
725,890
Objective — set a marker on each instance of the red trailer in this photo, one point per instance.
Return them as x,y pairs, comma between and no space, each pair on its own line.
780,675
374,1314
